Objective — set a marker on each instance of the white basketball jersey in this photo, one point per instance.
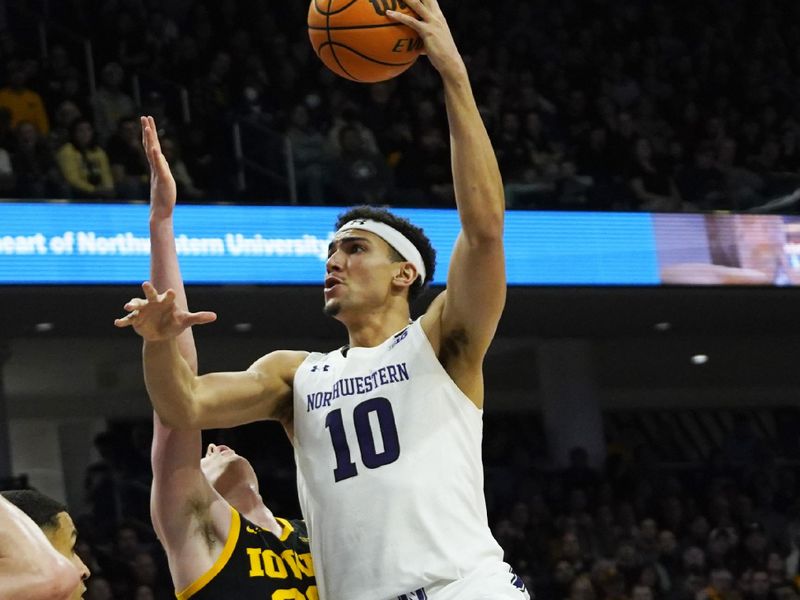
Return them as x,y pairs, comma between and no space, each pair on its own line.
390,477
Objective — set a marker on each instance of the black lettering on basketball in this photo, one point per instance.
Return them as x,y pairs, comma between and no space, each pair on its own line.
381,6
408,45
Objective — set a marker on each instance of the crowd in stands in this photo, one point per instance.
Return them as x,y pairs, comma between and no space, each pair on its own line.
591,104
638,528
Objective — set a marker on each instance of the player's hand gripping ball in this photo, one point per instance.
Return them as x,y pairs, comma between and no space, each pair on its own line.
355,38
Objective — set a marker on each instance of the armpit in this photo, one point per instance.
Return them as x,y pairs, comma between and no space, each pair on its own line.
452,346
284,411
200,513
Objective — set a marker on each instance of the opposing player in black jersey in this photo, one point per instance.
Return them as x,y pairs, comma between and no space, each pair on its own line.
221,540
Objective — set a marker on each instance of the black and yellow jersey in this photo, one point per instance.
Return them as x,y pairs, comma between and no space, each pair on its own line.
256,564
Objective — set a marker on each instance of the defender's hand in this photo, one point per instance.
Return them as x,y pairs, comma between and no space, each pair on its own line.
156,317
163,191
432,27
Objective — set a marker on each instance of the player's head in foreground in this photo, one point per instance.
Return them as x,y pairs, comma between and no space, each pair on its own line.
231,475
56,524
377,261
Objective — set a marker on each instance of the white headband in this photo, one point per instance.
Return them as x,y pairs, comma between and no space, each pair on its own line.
394,238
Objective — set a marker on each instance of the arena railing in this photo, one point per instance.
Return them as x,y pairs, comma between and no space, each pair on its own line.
37,12
252,139
173,92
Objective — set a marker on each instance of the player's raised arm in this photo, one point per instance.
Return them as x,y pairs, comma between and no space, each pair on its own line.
30,568
182,501
476,287
182,399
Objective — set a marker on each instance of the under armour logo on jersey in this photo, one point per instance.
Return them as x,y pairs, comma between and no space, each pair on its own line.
417,595
316,368
399,338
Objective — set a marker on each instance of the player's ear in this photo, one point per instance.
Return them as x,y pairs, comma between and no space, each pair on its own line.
405,275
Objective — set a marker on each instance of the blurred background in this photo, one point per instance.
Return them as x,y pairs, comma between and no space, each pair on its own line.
641,442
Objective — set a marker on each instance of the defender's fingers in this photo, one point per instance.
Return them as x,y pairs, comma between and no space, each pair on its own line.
127,319
135,303
143,121
156,141
150,292
201,318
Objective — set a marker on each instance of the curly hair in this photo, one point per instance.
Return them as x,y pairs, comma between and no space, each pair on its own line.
414,234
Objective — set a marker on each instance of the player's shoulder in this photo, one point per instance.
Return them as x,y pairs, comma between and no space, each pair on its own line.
282,361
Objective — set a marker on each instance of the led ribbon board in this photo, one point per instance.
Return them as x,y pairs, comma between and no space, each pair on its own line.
107,244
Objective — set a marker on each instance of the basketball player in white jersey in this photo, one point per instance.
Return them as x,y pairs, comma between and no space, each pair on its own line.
387,430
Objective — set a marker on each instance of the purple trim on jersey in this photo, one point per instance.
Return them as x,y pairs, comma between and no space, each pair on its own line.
417,595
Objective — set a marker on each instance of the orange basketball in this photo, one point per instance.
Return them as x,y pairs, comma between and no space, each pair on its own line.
355,38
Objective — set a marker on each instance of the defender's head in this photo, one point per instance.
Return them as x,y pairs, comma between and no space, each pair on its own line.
56,524
228,473
375,257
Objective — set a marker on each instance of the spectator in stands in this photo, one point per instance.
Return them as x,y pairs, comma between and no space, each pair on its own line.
66,114
647,539
84,164
582,588
652,186
128,161
99,588
703,183
754,548
144,592
359,176
720,586
510,147
7,175
127,38
310,155
7,134
425,170
744,187
349,118
24,103
57,70
776,567
642,592
111,103
35,168
183,179
146,573
211,92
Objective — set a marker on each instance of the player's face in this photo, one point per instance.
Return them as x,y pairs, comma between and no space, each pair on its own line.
359,272
63,538
226,471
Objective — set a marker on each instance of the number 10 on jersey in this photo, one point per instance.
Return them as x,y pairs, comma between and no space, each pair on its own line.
370,457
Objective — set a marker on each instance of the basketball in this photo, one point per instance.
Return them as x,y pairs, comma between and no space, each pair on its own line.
355,38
